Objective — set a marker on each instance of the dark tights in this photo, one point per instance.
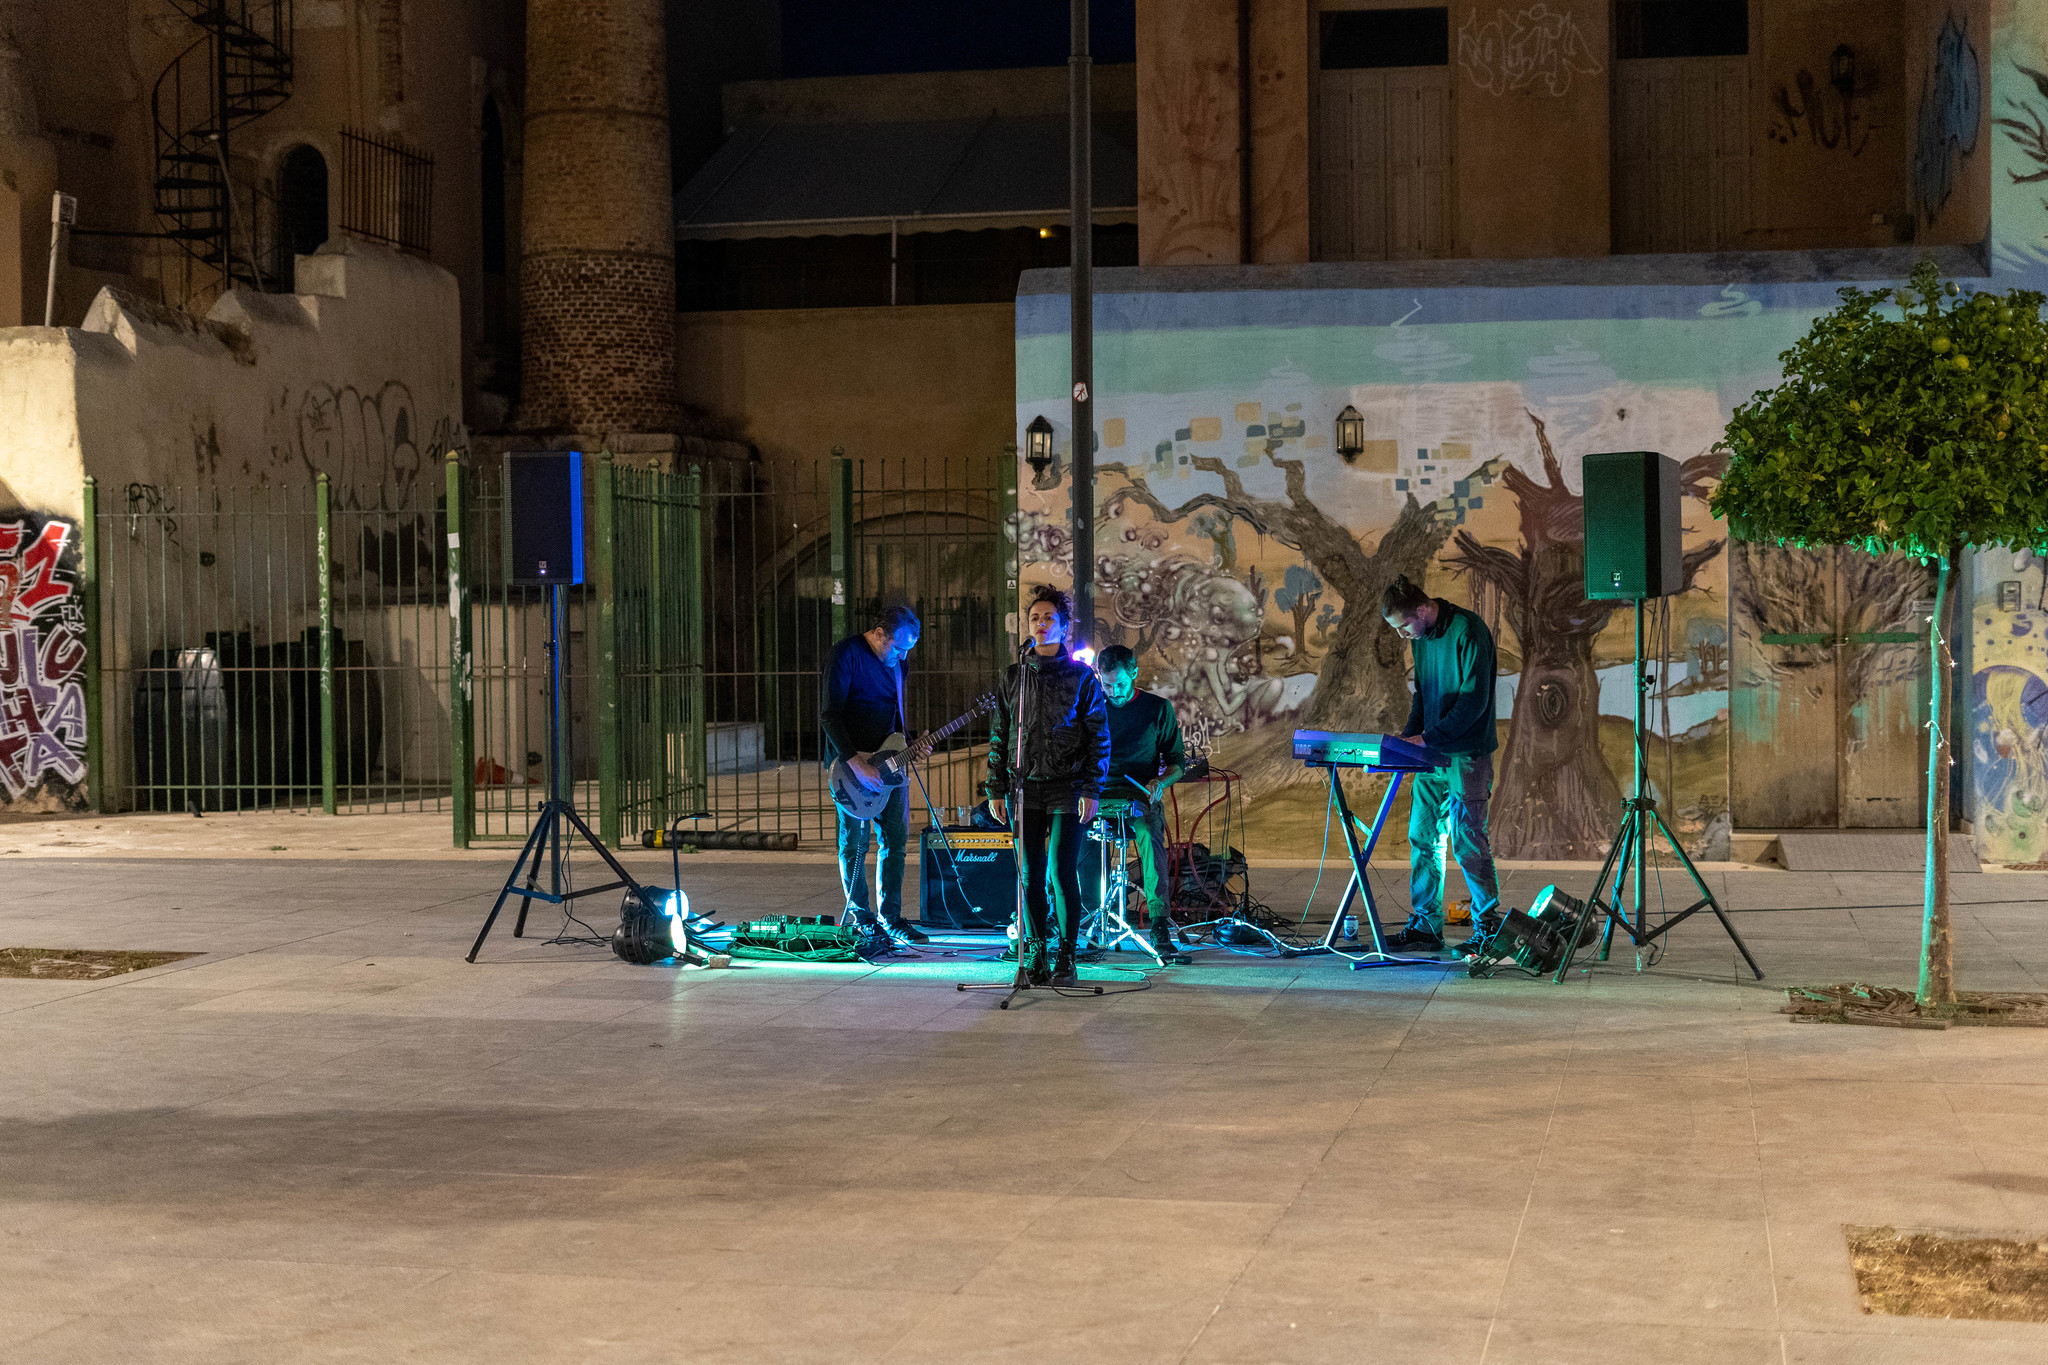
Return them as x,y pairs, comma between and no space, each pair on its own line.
1052,863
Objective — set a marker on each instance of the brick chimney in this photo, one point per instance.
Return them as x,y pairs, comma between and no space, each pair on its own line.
597,279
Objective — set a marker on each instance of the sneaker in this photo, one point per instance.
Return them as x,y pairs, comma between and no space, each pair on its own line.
904,934
1482,937
1416,938
874,942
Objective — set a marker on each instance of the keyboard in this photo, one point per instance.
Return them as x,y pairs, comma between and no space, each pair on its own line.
1382,753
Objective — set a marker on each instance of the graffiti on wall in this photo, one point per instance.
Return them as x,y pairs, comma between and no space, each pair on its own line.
1825,115
1533,51
372,445
42,662
1950,107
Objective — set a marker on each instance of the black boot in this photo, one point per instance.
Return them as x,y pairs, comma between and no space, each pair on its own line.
1036,972
1064,973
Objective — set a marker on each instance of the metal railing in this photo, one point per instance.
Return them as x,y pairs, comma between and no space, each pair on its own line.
387,191
272,648
269,648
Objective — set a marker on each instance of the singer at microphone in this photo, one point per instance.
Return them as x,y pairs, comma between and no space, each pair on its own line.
1048,794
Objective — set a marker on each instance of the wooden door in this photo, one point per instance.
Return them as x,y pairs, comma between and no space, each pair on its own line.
1828,677
1418,160
1681,153
1383,153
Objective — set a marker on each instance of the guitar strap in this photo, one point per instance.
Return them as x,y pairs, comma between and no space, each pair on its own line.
902,720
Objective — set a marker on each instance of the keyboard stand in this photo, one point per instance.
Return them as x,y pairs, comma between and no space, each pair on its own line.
1360,886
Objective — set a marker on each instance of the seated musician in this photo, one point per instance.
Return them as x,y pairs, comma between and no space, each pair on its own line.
1145,748
1453,715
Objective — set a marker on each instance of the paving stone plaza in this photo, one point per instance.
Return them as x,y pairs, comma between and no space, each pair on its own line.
327,1137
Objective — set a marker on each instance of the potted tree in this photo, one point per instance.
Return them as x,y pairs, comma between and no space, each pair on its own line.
1910,419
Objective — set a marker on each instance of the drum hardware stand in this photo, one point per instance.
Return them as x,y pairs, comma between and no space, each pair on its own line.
1097,927
1630,853
547,829
1360,885
1027,687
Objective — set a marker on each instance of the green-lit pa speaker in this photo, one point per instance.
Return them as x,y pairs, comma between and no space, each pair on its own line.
1632,527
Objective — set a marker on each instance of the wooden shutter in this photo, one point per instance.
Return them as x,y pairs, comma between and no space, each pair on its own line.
1681,153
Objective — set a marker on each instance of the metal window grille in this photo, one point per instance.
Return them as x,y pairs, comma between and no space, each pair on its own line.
387,191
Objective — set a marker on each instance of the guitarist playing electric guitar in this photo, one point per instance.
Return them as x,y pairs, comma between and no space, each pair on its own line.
863,705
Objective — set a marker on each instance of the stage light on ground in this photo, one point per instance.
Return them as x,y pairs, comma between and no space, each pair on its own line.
678,908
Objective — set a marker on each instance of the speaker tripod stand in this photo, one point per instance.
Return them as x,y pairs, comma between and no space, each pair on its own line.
1629,855
549,839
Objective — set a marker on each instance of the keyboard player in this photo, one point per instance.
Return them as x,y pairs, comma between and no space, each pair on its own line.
1453,715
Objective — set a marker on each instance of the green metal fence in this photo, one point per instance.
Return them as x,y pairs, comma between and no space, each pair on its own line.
270,647
274,648
800,557
654,751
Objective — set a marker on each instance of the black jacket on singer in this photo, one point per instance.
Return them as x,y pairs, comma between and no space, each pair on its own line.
1066,735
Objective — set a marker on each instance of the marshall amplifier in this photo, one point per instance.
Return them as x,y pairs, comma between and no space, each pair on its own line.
984,893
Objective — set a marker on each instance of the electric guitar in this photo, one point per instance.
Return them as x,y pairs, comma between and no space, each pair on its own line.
860,801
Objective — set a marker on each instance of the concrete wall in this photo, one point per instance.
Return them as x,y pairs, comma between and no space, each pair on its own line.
1530,159
357,377
81,90
936,382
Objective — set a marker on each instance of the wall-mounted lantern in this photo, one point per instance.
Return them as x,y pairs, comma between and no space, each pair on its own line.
1350,434
1038,444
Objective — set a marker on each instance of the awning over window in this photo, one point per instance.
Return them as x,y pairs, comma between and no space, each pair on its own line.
803,180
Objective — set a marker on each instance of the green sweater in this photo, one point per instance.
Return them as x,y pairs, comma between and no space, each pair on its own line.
1144,734
1454,681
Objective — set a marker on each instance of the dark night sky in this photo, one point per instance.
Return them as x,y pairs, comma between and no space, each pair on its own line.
862,37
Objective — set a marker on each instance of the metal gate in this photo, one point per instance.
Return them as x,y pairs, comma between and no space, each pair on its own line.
731,583
267,648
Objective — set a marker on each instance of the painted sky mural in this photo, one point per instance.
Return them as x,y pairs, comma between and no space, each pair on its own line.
1242,556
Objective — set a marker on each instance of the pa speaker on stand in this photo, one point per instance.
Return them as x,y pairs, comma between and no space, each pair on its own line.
1634,541
543,506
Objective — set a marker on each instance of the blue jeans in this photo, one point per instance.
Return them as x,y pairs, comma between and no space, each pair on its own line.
894,824
1455,796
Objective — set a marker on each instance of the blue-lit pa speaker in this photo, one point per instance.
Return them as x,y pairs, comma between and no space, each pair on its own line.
543,517
1633,536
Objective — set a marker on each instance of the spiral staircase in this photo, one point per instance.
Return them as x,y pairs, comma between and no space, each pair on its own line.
239,69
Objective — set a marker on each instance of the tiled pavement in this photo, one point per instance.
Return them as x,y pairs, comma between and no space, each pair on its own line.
330,1138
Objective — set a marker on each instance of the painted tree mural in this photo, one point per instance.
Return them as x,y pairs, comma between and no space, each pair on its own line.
1362,684
1566,799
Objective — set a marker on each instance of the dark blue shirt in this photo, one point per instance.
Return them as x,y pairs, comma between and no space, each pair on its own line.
862,695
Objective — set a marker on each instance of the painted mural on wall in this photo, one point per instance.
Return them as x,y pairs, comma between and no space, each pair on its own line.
42,666
1242,556
2006,797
